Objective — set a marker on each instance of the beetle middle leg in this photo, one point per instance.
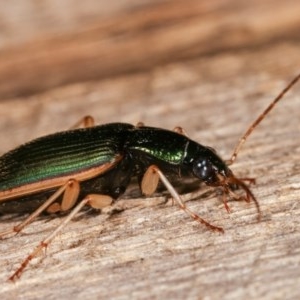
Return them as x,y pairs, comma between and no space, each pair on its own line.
85,122
180,130
149,184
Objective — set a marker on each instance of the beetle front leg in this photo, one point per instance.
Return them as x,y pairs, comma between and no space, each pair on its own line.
149,184
94,200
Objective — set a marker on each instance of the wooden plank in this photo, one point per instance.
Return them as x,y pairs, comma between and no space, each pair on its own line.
154,250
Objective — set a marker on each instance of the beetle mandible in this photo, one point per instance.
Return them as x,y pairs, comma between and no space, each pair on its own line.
93,166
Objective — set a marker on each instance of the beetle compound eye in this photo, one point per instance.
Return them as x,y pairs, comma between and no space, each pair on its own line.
204,170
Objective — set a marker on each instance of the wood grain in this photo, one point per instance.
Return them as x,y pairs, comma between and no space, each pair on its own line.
162,64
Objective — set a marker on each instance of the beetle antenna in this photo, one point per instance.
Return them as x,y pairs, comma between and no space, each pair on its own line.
243,139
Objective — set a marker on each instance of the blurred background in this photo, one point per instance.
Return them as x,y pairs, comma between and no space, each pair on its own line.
208,66
83,54
46,44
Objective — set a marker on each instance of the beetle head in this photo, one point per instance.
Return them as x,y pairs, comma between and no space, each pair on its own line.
213,171
209,167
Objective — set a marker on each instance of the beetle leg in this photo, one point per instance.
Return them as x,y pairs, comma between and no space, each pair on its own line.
180,130
224,198
95,201
150,180
249,195
70,195
140,124
249,179
85,122
99,201
70,190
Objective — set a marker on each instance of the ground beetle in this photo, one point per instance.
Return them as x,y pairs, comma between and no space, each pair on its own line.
94,165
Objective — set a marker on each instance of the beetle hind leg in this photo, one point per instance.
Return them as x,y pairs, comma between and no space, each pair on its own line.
70,192
94,200
149,184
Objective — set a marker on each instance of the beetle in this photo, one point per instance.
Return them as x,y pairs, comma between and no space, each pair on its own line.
93,166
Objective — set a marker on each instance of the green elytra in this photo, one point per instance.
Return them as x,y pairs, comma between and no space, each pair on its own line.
61,154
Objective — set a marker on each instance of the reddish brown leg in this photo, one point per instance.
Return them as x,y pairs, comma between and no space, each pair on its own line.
140,124
149,184
70,190
224,198
250,180
85,122
95,201
180,130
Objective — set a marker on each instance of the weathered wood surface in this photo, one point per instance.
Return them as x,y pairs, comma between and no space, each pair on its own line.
183,70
